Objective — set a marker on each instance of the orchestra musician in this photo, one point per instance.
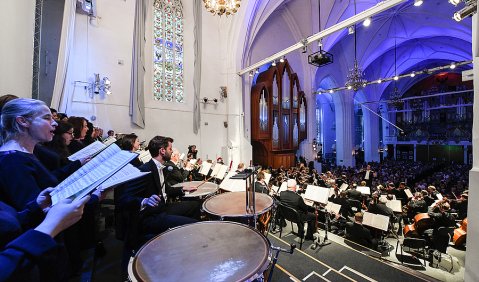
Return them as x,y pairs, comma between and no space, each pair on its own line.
356,232
368,175
414,206
174,175
292,199
260,184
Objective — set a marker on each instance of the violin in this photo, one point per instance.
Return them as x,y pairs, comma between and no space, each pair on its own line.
460,234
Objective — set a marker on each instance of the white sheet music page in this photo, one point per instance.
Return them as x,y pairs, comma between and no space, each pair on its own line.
283,187
93,173
408,193
108,141
333,208
144,156
233,185
317,194
222,172
127,173
205,168
267,177
89,150
376,220
216,169
395,205
364,190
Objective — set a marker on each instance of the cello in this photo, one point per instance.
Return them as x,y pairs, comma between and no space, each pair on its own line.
422,221
460,234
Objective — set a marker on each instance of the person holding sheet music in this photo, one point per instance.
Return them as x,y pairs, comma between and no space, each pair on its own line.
146,196
292,199
131,142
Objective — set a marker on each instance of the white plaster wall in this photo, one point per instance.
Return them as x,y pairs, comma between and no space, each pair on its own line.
101,43
16,47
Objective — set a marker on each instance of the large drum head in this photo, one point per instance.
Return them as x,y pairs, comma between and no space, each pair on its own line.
204,251
233,204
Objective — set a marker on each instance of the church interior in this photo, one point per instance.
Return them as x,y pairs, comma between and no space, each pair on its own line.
373,100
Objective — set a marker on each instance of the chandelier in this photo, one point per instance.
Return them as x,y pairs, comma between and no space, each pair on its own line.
395,98
220,7
355,79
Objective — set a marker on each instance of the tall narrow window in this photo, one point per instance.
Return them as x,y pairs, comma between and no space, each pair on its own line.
168,51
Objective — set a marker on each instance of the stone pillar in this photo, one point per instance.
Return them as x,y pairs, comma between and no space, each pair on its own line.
471,273
344,128
371,133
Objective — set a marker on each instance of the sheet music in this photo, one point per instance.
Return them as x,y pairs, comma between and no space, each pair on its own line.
215,170
395,205
333,208
93,173
376,220
283,187
233,185
222,172
408,193
364,190
307,201
205,168
331,192
88,151
108,141
193,161
144,156
267,177
317,194
274,189
127,173
343,187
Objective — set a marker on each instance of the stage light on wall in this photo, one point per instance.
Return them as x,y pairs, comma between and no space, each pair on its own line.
465,12
418,3
351,30
273,63
102,87
282,59
256,71
250,73
367,22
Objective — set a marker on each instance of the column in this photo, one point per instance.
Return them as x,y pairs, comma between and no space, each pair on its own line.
471,273
344,128
371,133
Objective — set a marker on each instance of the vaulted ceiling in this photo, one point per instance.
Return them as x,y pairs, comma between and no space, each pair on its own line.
423,37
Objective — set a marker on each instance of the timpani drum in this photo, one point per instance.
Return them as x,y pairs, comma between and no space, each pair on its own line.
203,189
233,205
204,251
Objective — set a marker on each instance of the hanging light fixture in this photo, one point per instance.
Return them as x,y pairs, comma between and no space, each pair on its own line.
395,97
220,7
355,79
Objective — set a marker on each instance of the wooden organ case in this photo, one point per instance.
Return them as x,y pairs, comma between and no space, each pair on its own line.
278,116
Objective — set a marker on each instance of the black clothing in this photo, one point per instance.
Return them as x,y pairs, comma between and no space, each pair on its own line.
346,209
58,166
295,201
369,181
136,162
354,194
75,146
381,208
174,176
359,234
260,187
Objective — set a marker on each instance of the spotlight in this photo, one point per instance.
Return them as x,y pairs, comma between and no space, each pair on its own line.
320,43
251,73
350,87
367,21
305,49
418,3
351,30
454,2
331,91
273,63
413,74
465,12
365,84
256,71
453,66
205,100
379,81
281,60
396,77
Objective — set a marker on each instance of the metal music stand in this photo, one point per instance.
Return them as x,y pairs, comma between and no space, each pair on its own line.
317,240
248,176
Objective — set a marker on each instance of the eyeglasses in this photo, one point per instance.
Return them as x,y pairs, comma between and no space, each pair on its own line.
71,133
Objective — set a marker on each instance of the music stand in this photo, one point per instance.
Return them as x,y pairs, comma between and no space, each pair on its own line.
248,176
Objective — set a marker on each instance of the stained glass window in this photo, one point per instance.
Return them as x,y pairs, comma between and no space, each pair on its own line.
168,51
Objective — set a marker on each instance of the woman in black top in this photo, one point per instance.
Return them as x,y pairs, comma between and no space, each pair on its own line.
131,142
80,128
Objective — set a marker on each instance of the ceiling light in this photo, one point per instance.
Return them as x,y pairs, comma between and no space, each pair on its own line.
365,84
367,21
251,73
453,66
331,91
413,74
350,87
281,60
351,30
418,3
379,81
257,70
396,77
454,2
273,63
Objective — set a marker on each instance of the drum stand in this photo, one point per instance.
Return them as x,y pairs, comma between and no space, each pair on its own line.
317,240
275,258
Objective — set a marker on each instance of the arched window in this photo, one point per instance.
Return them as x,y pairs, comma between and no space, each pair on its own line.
168,51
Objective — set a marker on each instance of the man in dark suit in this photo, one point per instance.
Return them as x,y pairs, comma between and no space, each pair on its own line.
356,232
174,174
292,199
368,175
147,195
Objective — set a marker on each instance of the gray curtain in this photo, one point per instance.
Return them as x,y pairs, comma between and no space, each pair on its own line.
197,65
137,89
